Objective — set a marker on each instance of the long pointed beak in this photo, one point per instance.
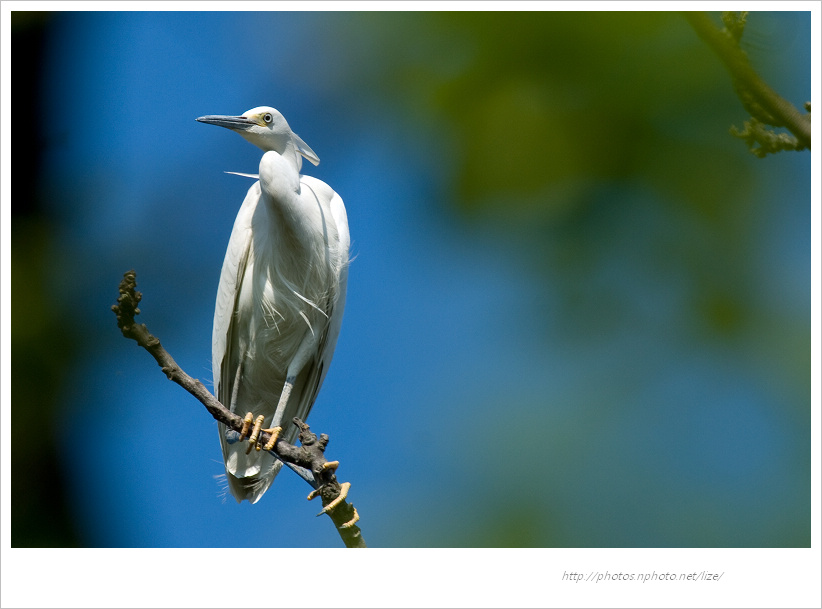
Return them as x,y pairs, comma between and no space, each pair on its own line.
235,123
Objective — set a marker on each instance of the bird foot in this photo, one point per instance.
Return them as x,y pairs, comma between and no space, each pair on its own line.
340,498
351,522
333,504
258,426
247,421
253,441
275,433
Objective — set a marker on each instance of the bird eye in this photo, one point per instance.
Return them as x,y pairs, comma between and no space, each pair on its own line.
267,117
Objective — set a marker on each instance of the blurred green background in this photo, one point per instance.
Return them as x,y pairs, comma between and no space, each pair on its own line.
579,315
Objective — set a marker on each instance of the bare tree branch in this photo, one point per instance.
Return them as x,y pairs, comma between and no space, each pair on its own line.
765,105
309,456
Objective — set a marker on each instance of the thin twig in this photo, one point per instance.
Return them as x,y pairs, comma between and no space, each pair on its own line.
765,105
310,455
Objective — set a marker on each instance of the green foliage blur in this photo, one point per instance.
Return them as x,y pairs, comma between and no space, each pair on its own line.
596,148
559,122
41,341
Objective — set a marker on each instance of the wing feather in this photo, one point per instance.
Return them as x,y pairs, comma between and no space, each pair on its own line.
231,277
224,347
317,368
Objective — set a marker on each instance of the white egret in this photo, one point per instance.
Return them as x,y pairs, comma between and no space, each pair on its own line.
281,297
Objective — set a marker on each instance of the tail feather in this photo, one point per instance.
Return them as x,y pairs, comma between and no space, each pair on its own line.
249,476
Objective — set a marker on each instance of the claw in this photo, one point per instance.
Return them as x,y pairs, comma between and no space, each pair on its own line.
351,522
252,441
247,421
331,465
275,433
313,494
343,494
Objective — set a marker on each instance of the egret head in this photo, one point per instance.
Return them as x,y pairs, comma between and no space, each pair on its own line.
267,129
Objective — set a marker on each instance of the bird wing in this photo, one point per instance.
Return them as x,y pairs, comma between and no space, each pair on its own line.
336,314
316,369
231,278
225,350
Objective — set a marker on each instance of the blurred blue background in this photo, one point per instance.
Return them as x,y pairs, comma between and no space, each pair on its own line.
578,314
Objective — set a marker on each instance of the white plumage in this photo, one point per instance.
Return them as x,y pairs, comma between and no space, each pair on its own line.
281,296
